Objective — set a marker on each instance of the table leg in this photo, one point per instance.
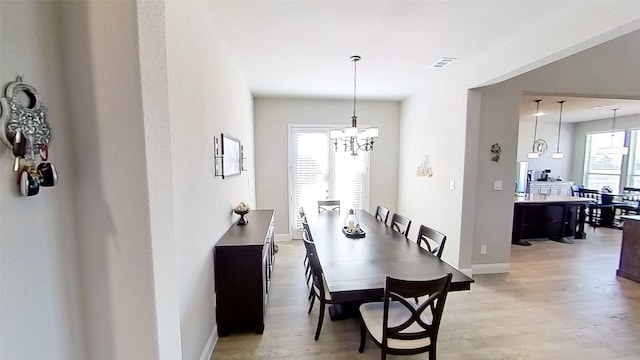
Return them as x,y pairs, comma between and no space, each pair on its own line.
563,227
582,215
343,311
606,216
516,237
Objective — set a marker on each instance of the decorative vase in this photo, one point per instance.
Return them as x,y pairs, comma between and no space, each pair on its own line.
242,220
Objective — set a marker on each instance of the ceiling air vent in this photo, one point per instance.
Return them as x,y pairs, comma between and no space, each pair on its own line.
443,62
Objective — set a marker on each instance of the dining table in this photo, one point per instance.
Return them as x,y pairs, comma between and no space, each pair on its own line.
355,269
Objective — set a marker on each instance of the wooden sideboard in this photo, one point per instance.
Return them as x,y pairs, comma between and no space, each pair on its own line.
630,249
243,264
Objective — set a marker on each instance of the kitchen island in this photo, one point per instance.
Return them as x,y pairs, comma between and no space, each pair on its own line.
556,217
630,249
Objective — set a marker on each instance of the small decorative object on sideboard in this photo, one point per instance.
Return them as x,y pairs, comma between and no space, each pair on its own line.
25,130
241,209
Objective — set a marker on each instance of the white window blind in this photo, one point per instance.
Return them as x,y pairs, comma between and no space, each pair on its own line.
319,172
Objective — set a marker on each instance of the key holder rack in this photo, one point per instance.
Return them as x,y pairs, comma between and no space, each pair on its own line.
25,130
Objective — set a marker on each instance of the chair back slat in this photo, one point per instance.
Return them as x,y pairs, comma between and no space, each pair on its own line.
316,269
589,194
631,198
328,205
433,239
382,214
422,320
400,224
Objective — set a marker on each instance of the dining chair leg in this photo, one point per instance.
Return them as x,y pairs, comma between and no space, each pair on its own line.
311,293
432,351
363,336
320,320
383,354
313,299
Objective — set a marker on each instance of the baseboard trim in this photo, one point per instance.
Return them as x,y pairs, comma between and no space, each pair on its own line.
479,269
283,237
467,272
211,345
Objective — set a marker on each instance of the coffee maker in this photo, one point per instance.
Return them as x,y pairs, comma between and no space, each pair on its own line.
544,175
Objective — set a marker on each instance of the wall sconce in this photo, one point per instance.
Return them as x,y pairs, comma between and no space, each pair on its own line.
424,169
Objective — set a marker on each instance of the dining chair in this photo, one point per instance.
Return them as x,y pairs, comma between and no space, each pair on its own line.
382,214
306,263
399,327
430,237
629,202
329,206
596,207
400,224
319,287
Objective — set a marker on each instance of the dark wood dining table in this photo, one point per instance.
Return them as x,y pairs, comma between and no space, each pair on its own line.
355,269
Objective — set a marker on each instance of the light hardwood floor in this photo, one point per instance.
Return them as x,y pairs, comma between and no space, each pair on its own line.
558,302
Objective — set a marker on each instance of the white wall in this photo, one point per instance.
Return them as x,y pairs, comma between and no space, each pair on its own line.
102,68
584,128
429,129
207,96
448,109
272,117
155,104
547,130
40,299
594,72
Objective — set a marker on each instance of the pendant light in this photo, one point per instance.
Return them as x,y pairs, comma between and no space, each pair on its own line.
558,154
613,150
534,154
353,138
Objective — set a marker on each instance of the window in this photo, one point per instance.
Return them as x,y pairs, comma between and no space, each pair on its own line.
633,173
605,169
318,172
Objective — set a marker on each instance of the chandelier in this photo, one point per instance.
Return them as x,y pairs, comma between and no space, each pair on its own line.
353,138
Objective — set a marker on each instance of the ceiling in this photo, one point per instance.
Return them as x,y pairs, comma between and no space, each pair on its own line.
576,109
302,48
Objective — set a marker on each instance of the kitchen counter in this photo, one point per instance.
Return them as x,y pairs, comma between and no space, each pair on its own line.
630,249
556,217
549,199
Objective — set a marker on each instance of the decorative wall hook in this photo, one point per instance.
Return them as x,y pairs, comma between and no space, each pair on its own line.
495,152
25,130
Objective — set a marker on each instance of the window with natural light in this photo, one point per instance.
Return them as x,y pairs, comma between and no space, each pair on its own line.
633,172
318,172
603,169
